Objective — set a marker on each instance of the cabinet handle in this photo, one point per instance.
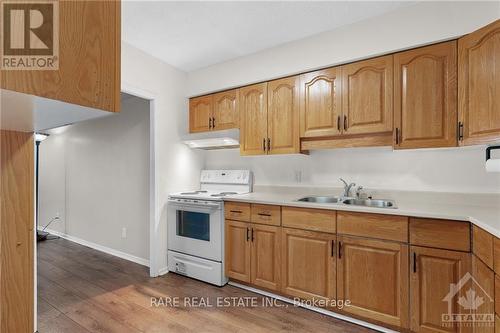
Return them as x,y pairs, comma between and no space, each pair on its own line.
213,122
236,211
397,136
414,262
248,234
460,131
264,144
252,235
210,123
338,123
333,248
264,214
268,144
340,250
345,123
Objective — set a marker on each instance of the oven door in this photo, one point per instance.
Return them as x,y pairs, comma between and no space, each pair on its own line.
195,229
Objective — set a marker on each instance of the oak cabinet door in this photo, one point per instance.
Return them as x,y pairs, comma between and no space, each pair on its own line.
225,112
373,276
200,113
265,256
432,297
479,85
89,58
485,288
320,109
308,264
367,96
283,115
253,119
425,97
237,250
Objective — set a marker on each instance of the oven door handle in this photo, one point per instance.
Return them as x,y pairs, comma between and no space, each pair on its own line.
174,203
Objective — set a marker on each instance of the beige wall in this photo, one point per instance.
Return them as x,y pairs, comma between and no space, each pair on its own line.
95,174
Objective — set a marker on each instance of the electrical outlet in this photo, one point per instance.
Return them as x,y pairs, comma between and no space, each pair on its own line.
58,215
124,232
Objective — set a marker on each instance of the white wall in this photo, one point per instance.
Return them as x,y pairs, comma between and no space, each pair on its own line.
95,174
444,170
456,170
411,26
98,179
177,166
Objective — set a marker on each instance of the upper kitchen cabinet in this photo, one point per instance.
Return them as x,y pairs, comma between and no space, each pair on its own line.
200,114
225,110
269,114
283,116
253,119
425,98
320,109
479,85
214,112
89,58
367,96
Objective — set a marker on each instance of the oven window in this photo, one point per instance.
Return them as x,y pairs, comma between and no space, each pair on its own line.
193,225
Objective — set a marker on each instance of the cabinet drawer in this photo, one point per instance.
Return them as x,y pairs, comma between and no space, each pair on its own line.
443,234
390,227
309,219
239,211
266,214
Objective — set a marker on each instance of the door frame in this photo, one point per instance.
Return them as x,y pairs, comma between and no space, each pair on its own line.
154,215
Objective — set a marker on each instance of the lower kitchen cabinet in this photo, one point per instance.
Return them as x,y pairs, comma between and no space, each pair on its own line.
237,250
308,263
265,256
437,281
253,254
373,276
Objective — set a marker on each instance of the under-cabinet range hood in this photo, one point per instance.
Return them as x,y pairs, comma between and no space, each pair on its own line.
225,139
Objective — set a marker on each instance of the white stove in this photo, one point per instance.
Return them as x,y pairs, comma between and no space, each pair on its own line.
195,225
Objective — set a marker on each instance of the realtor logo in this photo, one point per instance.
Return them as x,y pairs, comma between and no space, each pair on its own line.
30,35
474,304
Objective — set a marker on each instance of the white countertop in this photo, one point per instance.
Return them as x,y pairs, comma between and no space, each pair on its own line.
482,210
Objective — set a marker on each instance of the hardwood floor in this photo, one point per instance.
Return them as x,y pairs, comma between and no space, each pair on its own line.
81,290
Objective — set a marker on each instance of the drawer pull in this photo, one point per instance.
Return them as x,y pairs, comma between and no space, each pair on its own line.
236,211
414,262
264,214
332,254
252,235
340,250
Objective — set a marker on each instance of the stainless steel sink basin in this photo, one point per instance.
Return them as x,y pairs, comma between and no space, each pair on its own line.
320,199
370,203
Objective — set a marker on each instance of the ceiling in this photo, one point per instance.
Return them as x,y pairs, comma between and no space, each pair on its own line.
193,35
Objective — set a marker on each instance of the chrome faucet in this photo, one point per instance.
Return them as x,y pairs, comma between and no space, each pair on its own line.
347,188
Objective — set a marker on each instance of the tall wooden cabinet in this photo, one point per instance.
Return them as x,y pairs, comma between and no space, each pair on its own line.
308,264
269,117
479,85
425,97
367,96
433,272
320,108
89,58
373,276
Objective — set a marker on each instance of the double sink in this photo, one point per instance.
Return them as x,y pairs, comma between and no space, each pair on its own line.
377,203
